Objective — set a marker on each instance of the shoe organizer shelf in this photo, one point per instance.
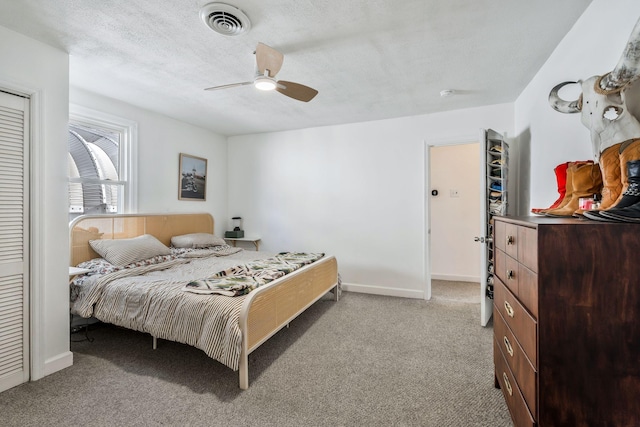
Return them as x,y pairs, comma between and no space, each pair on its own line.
497,168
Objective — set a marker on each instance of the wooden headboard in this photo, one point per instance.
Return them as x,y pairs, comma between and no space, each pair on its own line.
124,226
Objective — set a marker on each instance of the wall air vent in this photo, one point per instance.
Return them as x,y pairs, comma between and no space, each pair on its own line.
225,19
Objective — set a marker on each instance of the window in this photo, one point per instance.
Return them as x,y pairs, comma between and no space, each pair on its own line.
101,163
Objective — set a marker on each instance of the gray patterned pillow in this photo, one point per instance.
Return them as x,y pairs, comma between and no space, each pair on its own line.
125,251
197,240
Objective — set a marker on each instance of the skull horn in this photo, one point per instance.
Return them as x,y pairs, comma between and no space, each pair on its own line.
628,67
560,104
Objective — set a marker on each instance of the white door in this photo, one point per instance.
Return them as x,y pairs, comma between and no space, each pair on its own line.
486,304
14,238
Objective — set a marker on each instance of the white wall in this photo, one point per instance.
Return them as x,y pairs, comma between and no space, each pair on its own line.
455,220
161,139
592,47
356,191
42,72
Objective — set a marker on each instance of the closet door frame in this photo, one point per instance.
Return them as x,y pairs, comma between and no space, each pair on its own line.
15,265
35,147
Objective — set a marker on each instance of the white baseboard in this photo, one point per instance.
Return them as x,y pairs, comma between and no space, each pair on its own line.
454,278
381,290
58,363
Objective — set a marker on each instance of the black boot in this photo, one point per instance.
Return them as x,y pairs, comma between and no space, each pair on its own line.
628,208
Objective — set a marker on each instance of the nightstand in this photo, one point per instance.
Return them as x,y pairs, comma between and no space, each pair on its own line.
255,240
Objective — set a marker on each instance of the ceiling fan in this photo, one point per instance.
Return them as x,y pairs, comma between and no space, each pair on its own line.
268,63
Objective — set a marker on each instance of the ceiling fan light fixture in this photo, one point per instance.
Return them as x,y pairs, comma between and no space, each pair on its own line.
264,83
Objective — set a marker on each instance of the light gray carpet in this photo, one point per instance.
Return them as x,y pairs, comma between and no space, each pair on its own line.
363,361
456,291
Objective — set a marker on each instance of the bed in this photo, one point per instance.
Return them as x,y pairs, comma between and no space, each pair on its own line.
149,299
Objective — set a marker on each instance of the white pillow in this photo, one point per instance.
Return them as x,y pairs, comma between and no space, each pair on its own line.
197,240
125,251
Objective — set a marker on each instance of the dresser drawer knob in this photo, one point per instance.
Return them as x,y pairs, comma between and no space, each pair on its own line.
507,345
510,274
508,309
510,240
507,384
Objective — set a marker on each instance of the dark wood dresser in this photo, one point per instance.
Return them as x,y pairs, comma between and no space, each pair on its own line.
567,321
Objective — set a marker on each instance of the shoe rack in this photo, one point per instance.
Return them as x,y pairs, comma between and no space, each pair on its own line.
497,168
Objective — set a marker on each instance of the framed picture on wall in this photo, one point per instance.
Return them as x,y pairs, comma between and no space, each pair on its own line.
192,179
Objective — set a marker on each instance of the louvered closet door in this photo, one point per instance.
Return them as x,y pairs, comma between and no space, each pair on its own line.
14,238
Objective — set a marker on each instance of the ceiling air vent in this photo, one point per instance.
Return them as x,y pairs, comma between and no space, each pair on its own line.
225,19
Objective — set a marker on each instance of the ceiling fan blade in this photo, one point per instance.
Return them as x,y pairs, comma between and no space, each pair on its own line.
267,58
229,86
296,91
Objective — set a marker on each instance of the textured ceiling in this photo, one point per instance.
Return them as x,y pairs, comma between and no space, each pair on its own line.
369,59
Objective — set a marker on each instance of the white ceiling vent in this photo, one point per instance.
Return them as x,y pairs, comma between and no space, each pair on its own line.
225,19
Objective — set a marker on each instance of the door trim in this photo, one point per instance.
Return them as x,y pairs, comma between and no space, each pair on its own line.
36,224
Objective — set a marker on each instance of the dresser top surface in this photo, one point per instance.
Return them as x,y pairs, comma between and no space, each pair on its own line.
545,220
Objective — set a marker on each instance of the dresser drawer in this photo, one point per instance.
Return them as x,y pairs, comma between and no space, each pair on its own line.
507,270
512,395
521,281
511,240
506,238
520,322
519,242
528,247
499,234
524,373
528,289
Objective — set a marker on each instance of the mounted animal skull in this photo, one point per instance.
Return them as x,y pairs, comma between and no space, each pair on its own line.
603,104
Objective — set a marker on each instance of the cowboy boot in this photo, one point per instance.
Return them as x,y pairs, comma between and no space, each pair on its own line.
630,196
611,170
629,151
561,179
586,181
567,184
626,207
568,188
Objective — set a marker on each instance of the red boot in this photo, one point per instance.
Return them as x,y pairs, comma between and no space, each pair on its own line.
561,177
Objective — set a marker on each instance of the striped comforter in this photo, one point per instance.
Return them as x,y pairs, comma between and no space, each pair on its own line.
150,299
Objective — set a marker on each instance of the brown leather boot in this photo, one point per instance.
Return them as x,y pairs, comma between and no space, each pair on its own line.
568,190
586,180
630,198
629,154
611,171
629,151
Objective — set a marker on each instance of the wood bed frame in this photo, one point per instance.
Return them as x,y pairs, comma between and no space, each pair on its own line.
265,310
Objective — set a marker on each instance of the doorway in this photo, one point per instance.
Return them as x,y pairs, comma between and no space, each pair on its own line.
454,217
